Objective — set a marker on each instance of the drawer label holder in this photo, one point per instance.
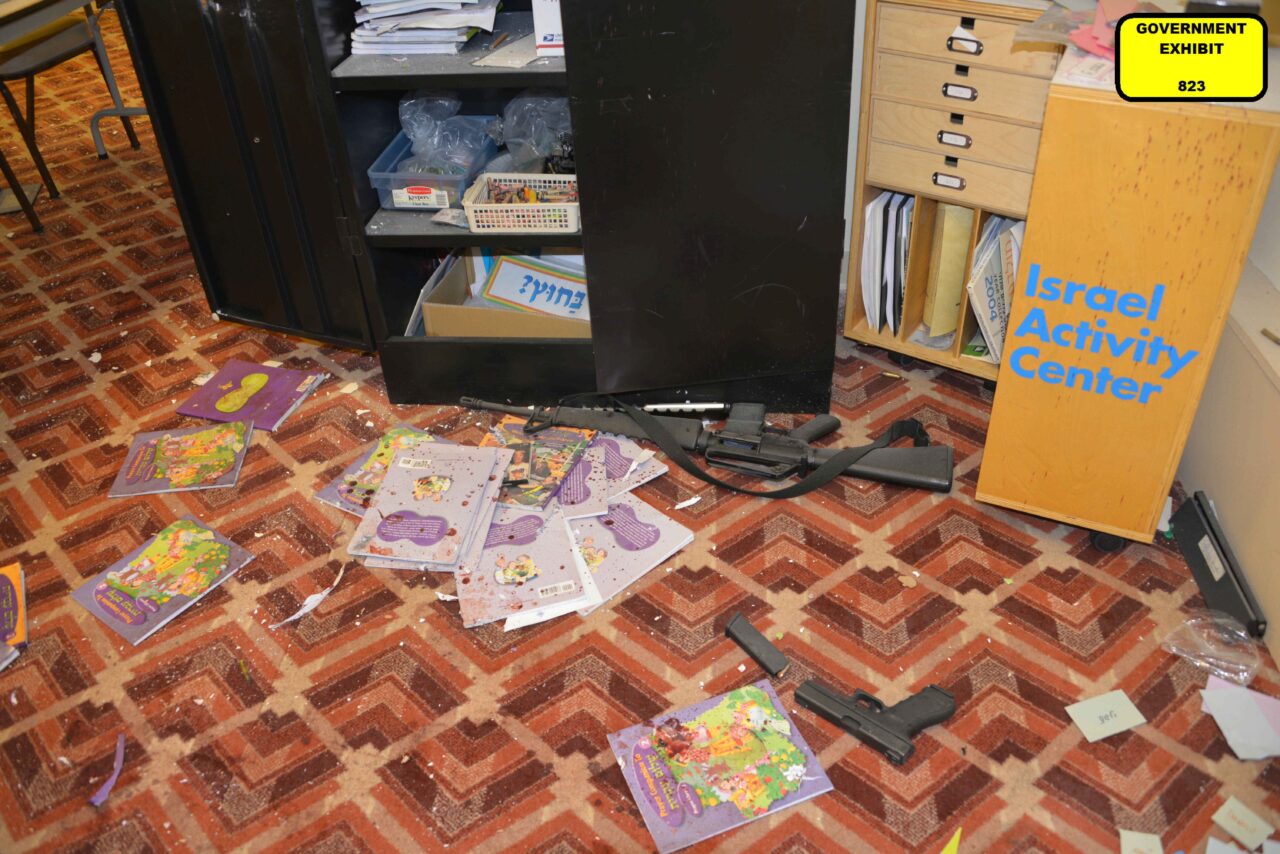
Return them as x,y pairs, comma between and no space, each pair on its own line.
963,93
959,140
1163,57
951,182
964,44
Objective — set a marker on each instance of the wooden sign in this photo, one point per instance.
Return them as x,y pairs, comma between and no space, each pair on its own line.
1140,220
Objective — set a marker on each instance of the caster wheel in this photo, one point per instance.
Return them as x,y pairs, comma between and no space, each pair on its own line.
901,360
1106,542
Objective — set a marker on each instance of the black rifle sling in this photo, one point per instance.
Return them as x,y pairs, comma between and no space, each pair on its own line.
821,476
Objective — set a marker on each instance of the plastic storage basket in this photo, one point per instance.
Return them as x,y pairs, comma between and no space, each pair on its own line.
486,216
412,192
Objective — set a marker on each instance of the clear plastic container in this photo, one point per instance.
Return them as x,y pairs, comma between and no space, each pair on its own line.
406,191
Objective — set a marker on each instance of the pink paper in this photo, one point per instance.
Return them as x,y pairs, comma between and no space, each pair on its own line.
1084,39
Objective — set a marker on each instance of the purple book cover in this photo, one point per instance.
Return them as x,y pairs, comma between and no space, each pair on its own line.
527,562
160,579
176,460
716,765
353,490
243,391
611,466
428,503
617,549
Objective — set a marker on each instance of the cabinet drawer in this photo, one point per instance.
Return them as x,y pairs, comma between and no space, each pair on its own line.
955,134
525,370
942,85
978,185
988,44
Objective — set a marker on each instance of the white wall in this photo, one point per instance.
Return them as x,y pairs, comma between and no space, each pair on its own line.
1233,452
851,166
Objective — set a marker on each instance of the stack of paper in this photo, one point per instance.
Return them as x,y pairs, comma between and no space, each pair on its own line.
590,541
434,502
407,27
886,240
532,526
991,280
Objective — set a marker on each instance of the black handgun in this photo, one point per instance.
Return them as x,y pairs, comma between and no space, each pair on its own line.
889,729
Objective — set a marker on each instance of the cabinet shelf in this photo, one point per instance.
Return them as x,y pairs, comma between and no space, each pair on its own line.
946,358
413,229
453,71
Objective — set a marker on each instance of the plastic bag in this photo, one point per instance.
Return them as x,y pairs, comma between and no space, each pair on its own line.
455,147
1218,643
421,115
536,127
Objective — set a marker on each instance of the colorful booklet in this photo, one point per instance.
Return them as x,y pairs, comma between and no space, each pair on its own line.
160,579
429,502
717,765
353,490
13,606
541,459
243,391
615,550
527,562
470,551
177,460
611,466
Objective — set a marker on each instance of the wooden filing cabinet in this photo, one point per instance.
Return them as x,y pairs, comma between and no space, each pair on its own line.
951,112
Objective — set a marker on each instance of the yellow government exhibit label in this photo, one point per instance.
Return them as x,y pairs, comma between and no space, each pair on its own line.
1162,57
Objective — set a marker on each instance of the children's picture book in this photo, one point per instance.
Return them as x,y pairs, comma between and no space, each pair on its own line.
429,502
243,391
353,490
205,457
13,605
527,563
541,459
160,579
470,551
611,466
615,550
716,765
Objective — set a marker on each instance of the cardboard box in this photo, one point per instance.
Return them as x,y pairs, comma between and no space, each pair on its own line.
445,316
547,29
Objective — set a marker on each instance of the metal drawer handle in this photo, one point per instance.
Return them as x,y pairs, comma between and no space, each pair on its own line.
959,140
963,93
951,182
956,44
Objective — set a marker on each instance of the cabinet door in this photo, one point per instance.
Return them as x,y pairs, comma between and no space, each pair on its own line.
236,94
711,141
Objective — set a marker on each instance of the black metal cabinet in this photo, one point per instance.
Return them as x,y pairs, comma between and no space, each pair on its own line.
712,139
703,287
231,90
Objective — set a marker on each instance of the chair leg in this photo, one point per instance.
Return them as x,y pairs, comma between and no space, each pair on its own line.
16,186
27,129
104,66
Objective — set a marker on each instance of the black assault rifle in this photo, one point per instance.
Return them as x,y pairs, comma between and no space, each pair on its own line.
747,445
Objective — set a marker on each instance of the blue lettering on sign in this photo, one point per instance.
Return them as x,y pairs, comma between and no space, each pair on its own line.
1093,336
549,292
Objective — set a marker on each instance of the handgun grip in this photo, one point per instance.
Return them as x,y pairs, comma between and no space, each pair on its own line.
815,428
931,706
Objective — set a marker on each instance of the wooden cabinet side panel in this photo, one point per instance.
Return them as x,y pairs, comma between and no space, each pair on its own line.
1129,198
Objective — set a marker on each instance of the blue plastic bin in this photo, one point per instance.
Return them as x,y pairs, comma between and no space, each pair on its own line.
406,191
